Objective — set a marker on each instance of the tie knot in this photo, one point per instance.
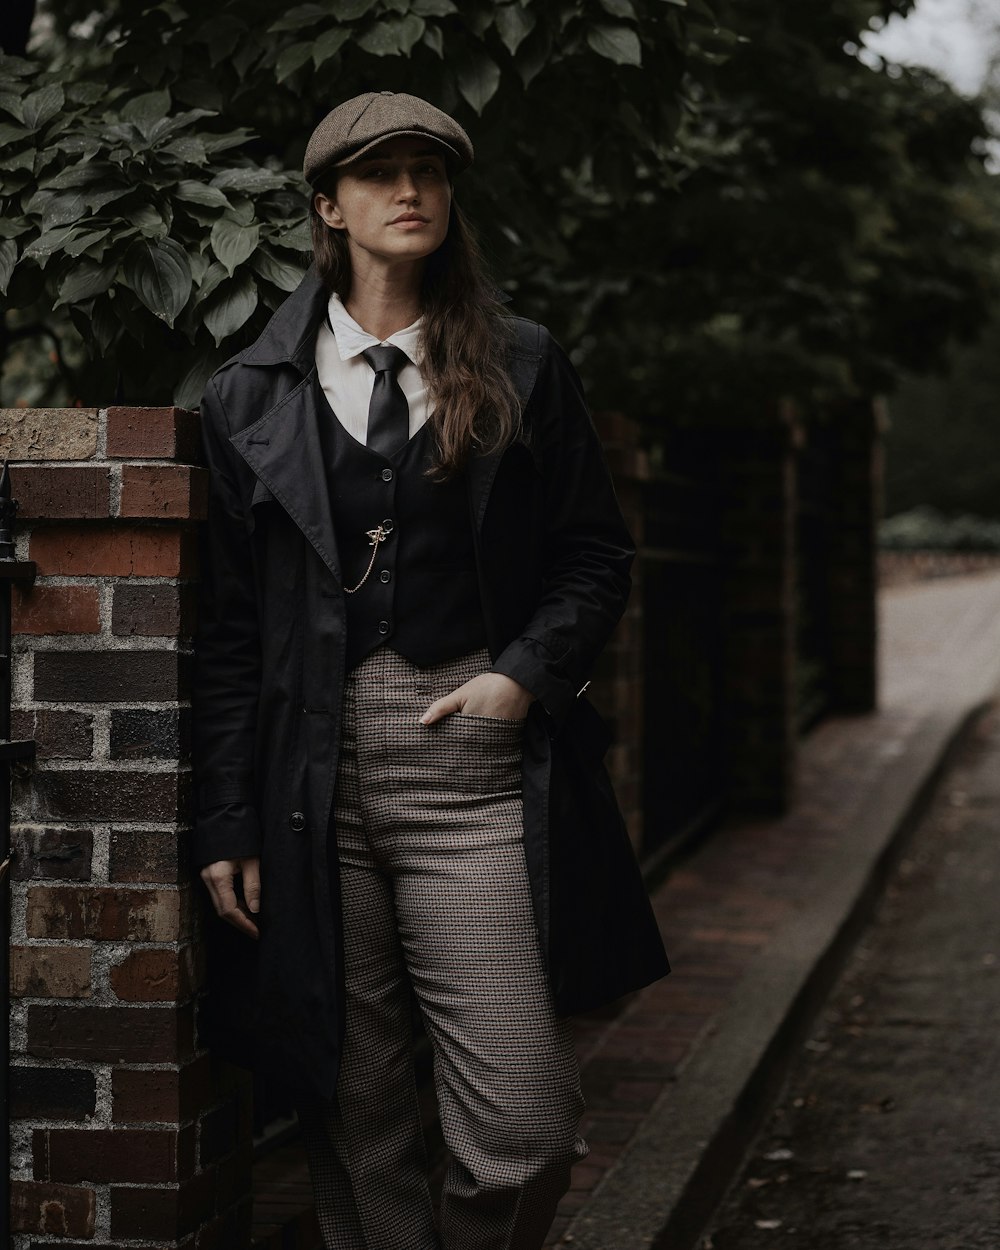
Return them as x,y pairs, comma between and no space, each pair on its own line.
386,359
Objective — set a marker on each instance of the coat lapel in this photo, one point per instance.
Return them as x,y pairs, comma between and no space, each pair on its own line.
482,470
283,450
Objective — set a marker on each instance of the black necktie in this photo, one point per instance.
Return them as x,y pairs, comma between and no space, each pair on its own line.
388,412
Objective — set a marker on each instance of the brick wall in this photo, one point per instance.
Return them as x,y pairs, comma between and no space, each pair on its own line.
124,1133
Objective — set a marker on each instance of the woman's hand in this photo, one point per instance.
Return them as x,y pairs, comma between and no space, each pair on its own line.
220,879
489,694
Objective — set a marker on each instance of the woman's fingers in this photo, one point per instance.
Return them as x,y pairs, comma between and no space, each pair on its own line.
447,706
489,694
219,878
251,883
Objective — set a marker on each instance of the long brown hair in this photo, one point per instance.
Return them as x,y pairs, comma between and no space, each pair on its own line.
467,337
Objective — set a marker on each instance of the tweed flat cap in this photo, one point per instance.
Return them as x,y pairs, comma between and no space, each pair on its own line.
359,124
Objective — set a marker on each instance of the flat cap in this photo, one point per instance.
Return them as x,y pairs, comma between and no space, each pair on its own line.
363,122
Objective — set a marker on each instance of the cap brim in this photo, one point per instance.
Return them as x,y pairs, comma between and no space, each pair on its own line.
450,153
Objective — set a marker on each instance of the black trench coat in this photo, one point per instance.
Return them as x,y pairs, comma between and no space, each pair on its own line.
552,556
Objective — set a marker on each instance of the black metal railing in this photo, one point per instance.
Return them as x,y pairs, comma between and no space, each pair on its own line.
685,774
11,570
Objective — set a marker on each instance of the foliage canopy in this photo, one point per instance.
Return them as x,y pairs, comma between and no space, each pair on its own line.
724,201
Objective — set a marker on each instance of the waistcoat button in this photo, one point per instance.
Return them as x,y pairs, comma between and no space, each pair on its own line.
385,576
383,627
297,822
387,475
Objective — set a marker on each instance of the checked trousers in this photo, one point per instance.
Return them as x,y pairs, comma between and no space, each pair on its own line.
435,895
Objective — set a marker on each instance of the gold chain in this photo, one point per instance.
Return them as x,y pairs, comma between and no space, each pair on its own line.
378,535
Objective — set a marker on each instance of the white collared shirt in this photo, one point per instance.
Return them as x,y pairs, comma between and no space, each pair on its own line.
347,378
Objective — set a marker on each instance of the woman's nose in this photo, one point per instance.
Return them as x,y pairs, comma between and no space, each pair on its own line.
406,188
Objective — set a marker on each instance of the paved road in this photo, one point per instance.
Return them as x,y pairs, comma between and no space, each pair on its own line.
887,1134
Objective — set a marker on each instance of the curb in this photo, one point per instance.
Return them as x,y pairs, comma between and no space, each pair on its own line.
677,1168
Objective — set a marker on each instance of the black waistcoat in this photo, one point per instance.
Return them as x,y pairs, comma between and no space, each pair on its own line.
422,594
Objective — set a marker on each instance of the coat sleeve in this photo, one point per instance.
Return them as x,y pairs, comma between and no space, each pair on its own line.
227,661
587,548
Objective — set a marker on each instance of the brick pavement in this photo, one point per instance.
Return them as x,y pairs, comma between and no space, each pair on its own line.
722,903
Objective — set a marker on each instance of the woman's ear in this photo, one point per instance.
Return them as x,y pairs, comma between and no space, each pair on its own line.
328,210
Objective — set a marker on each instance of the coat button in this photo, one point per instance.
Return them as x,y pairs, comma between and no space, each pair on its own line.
297,822
385,576
387,475
383,627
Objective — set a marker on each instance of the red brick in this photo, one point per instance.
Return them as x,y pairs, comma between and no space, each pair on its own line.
111,676
53,1210
57,735
145,1096
103,1155
55,854
170,1212
51,1093
56,610
158,611
154,434
98,794
153,976
58,491
148,855
167,1095
50,972
105,913
114,550
164,492
111,1034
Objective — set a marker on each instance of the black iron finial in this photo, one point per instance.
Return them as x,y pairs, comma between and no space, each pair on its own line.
8,511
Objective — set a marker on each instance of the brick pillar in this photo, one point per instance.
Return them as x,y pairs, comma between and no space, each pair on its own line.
619,679
754,465
853,552
124,1132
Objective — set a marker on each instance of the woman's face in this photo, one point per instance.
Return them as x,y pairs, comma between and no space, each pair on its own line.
393,203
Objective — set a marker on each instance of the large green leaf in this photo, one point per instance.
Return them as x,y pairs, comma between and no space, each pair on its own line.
231,306
62,209
478,78
187,148
233,243
79,245
255,181
159,274
291,59
284,274
143,110
42,105
200,193
329,44
191,387
514,25
85,280
433,8
48,242
618,43
304,15
619,8
8,259
392,36
11,133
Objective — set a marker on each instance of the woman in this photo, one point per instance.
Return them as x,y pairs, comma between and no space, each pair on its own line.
412,559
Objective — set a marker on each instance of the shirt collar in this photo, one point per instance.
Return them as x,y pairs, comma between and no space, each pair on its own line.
352,339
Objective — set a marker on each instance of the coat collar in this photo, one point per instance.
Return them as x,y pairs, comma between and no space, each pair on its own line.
290,336
283,450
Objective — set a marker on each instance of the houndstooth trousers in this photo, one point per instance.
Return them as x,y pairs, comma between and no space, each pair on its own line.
435,893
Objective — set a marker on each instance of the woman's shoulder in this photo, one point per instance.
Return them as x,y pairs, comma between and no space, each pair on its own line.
531,338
